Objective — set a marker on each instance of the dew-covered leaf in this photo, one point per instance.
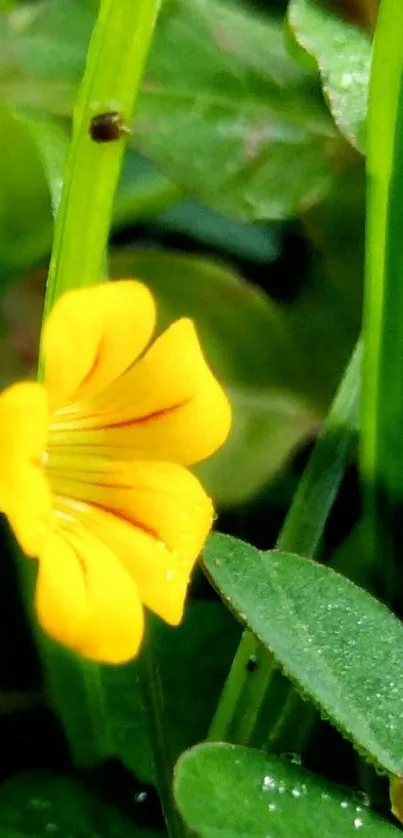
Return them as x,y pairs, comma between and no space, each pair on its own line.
226,791
343,54
340,645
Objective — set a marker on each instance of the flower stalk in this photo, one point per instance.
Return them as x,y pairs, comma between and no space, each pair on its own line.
114,67
245,715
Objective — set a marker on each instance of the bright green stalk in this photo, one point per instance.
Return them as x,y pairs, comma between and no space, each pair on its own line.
249,705
111,80
382,414
114,67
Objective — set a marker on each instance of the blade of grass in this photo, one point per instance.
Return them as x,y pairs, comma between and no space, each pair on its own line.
114,67
248,709
382,399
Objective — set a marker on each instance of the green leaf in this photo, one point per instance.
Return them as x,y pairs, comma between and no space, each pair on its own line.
343,55
40,804
230,116
341,646
226,791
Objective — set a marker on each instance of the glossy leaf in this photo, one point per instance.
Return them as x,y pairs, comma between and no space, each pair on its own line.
226,791
341,646
343,55
40,804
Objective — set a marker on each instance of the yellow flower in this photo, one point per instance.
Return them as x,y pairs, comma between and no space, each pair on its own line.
93,475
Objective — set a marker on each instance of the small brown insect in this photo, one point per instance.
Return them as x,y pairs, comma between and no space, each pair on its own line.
107,127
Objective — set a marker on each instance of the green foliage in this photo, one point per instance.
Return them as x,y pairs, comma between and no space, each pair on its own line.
252,794
323,630
343,55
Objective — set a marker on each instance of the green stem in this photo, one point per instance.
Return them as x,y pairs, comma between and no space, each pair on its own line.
382,393
248,703
114,67
153,701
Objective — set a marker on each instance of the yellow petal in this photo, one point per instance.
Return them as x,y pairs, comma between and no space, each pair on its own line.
93,335
85,599
168,406
24,490
154,516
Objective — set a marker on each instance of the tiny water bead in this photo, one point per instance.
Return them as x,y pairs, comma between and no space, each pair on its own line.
279,790
362,798
275,787
268,783
294,759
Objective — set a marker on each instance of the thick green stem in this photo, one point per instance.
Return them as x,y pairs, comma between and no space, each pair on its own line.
114,67
248,705
382,393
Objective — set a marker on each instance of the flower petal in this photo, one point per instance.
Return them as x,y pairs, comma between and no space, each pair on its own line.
93,335
168,406
154,516
85,599
24,490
